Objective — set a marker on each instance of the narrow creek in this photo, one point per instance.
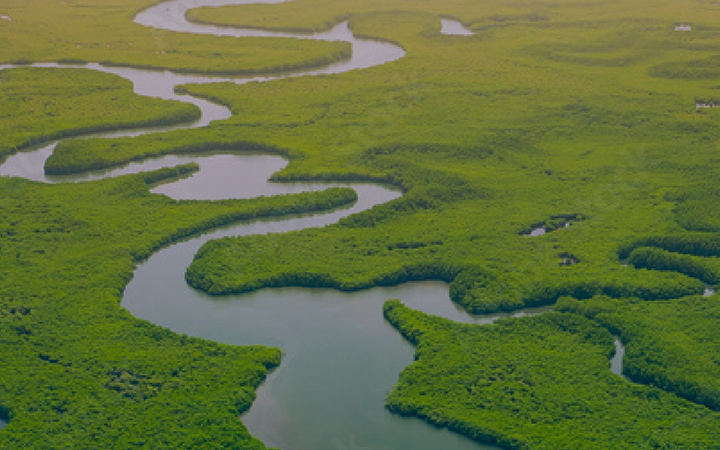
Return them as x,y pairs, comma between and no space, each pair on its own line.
340,359
340,356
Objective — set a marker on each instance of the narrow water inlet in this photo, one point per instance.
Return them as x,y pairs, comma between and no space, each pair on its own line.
454,27
170,16
535,232
341,357
616,364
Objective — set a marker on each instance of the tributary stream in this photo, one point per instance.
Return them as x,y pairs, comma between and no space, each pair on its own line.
340,358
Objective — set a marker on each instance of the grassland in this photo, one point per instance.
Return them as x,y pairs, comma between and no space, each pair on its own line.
40,105
551,110
560,110
527,129
103,31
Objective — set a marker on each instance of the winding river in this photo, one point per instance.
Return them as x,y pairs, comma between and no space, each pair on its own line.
341,357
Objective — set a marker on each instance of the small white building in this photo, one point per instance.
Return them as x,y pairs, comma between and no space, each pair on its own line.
683,27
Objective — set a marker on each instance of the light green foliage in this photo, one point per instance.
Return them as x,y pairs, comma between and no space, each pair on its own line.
485,147
38,105
537,383
103,31
321,14
488,135
551,109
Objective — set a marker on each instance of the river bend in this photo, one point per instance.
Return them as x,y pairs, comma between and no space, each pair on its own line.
341,357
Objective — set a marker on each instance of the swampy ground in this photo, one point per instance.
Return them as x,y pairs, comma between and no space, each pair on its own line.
550,111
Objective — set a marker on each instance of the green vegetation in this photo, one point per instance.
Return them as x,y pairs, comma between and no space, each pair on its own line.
485,147
707,270
321,14
103,31
79,372
77,156
570,109
39,105
222,267
537,383
560,110
693,254
554,223
673,345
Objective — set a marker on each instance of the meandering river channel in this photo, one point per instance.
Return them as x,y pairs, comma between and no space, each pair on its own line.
340,356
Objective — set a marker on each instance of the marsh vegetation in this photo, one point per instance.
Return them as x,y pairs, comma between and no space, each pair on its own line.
546,113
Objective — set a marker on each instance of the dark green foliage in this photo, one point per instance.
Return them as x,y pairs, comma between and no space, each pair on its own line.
349,260
703,69
698,209
707,270
644,285
692,244
539,382
213,270
548,110
482,291
673,345
79,372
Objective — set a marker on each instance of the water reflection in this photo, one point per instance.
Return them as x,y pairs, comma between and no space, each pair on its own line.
366,53
341,357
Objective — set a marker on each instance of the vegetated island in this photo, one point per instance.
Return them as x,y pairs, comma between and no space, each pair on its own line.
546,110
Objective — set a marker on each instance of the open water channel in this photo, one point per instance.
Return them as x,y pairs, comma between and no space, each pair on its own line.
340,356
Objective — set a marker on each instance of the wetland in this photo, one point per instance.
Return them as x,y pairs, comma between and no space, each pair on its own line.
208,260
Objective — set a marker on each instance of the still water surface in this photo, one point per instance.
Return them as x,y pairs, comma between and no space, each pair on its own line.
340,356
453,27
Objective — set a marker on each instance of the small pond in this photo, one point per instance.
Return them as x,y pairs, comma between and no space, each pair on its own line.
454,27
